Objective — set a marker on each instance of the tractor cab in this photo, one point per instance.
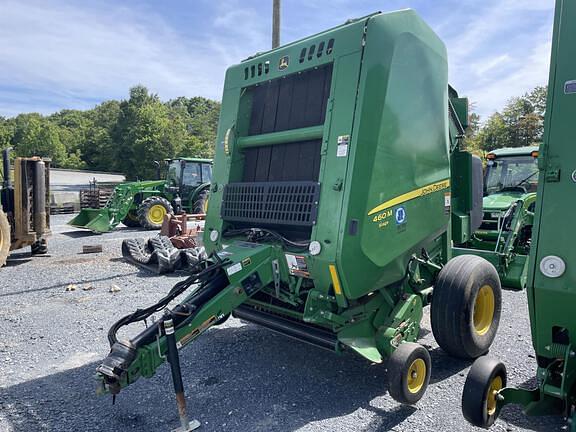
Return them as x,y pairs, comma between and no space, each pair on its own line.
188,179
510,174
187,173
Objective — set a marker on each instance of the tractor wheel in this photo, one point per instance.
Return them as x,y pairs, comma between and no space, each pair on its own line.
408,373
201,204
131,219
152,211
4,238
479,404
466,305
40,247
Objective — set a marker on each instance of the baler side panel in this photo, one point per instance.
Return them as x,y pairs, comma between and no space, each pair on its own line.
403,82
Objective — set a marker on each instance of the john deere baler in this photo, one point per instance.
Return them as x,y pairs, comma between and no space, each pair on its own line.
330,210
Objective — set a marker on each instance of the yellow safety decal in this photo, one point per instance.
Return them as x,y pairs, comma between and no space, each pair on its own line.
416,193
335,280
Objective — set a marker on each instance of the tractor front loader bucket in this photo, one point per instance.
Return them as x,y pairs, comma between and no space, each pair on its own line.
97,220
107,218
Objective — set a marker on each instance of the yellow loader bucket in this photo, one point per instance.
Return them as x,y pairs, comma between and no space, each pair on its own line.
97,220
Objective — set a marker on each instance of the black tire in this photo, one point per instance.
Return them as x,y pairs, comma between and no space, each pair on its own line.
201,204
407,381
466,306
486,376
40,247
131,219
149,214
4,238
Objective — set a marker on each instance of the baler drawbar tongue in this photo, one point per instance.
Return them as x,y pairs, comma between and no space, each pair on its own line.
218,287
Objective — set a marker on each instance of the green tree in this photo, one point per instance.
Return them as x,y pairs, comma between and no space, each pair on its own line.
36,136
521,122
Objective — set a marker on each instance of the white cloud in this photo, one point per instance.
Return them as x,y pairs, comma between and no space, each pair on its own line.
69,54
502,51
73,52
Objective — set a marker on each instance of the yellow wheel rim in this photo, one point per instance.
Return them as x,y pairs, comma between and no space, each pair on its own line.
484,310
205,206
416,376
495,387
1,239
156,214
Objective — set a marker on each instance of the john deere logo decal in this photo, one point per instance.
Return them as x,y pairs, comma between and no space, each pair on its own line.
284,61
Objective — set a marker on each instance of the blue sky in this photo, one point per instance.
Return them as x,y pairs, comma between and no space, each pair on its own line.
57,54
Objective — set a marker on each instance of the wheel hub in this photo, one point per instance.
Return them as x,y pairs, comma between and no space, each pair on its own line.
156,214
484,307
416,375
495,387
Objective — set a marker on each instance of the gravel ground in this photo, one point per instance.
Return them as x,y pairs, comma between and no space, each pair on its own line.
238,377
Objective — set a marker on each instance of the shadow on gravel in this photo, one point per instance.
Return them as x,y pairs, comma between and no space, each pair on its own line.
237,379
62,285
15,260
445,366
513,414
80,234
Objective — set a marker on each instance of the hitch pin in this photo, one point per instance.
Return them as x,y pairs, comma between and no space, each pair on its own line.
174,360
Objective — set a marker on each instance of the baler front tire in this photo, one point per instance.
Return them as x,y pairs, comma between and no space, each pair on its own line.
466,306
152,211
408,373
4,238
479,404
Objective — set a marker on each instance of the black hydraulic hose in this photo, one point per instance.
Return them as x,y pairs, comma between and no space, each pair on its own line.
187,310
141,314
256,234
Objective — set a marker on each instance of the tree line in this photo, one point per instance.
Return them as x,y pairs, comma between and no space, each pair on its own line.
117,136
520,123
127,136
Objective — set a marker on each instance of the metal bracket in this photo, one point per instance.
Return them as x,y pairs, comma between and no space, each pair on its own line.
276,275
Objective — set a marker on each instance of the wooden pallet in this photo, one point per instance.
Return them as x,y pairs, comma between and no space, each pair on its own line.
95,198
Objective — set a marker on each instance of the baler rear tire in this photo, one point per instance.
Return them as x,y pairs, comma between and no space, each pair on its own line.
479,403
4,238
466,306
409,373
146,209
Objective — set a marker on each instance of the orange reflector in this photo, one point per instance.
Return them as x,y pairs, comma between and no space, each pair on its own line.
534,154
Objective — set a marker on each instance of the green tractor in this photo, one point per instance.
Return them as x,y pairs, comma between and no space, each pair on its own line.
145,203
504,237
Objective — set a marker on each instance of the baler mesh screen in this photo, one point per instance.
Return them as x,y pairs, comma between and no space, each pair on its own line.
294,101
277,203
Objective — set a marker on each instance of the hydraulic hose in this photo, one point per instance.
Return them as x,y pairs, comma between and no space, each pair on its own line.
201,275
